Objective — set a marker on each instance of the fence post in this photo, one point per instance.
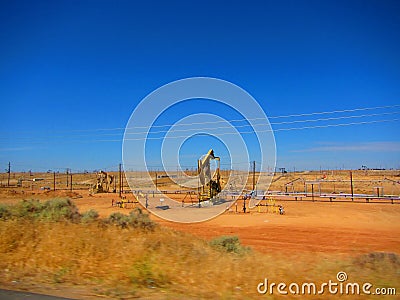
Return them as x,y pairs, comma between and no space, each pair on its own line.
351,184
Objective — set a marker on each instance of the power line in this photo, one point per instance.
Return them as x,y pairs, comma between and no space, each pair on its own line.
336,118
263,131
275,117
336,111
264,124
248,132
234,133
237,126
237,120
337,125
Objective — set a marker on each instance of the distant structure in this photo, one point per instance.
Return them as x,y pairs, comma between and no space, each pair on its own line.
104,183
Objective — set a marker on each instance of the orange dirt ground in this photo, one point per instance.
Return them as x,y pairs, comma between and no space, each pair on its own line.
342,228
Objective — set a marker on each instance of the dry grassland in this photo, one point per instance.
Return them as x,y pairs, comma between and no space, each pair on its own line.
312,242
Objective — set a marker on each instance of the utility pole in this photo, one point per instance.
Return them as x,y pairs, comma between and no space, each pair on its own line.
312,191
351,186
71,181
254,175
122,180
115,185
119,174
198,188
9,173
67,177
54,181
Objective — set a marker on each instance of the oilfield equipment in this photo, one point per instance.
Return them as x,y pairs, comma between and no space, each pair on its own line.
105,183
270,206
291,184
125,203
21,180
209,185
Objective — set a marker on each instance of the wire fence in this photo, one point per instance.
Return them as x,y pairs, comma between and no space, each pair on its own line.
323,185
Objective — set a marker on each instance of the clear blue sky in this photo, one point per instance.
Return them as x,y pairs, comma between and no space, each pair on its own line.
71,66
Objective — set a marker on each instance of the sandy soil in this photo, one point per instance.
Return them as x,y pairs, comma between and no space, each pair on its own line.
348,228
310,227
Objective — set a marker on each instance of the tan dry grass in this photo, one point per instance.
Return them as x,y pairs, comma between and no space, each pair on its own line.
166,264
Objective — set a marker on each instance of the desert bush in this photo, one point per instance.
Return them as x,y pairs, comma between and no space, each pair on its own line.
136,219
59,209
89,216
51,210
145,273
27,209
5,212
378,260
118,219
229,244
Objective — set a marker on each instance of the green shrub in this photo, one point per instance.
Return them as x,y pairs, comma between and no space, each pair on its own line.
136,219
378,260
118,219
59,209
5,212
65,210
51,210
89,216
145,273
28,209
229,244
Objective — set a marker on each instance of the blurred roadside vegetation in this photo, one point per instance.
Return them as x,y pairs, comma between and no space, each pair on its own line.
129,256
